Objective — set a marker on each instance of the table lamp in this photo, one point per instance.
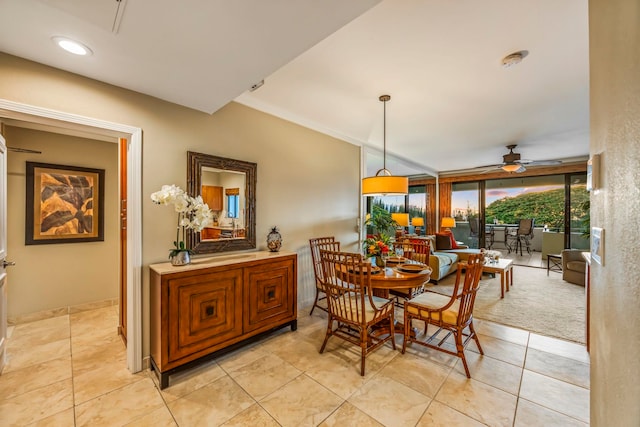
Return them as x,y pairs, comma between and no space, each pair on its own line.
402,219
448,223
418,223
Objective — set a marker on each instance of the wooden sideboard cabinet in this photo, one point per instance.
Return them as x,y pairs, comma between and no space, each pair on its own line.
217,304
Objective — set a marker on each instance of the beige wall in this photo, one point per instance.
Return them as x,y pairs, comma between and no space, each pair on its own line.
615,133
307,182
51,276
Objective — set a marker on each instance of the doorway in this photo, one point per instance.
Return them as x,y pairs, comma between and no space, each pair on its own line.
43,118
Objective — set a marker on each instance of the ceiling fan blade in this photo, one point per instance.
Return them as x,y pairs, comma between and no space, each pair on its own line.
490,170
496,166
544,162
520,169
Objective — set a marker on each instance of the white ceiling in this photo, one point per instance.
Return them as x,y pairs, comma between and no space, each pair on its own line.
453,106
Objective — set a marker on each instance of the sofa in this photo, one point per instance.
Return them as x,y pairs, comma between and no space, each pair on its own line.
573,266
445,261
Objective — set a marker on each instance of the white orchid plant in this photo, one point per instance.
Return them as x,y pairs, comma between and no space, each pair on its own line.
193,214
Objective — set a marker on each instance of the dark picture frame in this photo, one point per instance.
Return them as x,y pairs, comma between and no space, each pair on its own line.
64,204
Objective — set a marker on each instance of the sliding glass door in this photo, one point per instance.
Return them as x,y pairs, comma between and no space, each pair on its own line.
578,212
466,210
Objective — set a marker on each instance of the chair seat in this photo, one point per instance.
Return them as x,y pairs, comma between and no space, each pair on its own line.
434,301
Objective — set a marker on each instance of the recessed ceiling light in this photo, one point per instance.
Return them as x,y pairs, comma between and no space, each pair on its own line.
514,58
72,46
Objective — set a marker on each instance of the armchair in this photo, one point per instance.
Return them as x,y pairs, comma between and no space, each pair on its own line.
573,266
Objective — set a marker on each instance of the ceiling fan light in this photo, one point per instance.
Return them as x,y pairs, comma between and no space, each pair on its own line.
512,167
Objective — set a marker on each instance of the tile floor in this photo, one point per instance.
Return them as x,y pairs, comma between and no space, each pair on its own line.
70,371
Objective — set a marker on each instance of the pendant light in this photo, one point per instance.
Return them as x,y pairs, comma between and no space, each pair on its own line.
385,184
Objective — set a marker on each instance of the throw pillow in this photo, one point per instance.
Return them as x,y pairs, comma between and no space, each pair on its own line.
454,244
443,241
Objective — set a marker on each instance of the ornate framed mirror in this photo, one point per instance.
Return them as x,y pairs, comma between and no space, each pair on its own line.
228,186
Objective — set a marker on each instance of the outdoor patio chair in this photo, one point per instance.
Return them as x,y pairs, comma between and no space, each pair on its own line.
522,234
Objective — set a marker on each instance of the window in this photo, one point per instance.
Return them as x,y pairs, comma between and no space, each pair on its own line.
557,203
415,204
233,202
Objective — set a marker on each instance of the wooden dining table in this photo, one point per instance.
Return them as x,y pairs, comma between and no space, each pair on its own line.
392,278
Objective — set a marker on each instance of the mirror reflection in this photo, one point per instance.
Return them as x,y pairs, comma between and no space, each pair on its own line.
223,191
228,187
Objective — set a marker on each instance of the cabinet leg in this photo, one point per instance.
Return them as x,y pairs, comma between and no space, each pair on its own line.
294,325
163,380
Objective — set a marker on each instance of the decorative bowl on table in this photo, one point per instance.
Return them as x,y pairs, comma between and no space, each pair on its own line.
412,268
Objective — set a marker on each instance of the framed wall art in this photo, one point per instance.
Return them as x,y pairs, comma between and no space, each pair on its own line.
64,204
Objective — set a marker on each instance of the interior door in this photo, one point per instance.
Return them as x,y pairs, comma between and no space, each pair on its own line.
3,251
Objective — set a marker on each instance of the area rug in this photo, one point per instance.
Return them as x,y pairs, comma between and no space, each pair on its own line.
539,303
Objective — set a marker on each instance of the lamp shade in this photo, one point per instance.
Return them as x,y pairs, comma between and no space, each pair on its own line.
448,222
385,185
417,221
401,218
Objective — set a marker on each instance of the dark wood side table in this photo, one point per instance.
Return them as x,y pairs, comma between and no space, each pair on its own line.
554,263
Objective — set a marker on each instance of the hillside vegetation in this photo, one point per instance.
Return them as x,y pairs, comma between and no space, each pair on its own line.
546,207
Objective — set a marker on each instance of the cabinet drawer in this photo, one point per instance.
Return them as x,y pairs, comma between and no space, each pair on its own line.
204,310
269,294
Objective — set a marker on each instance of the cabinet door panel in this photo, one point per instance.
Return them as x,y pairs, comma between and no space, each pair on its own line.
204,310
212,196
269,294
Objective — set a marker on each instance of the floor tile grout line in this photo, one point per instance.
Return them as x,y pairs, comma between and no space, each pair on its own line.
554,410
73,383
524,364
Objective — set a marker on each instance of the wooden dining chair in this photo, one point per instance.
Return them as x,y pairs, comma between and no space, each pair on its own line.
328,243
416,250
452,314
353,310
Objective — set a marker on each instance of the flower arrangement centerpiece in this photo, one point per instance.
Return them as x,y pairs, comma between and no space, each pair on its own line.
193,214
377,247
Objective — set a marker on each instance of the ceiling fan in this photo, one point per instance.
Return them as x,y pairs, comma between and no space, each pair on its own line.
511,162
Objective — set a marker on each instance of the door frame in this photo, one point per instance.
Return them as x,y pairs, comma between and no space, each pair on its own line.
45,116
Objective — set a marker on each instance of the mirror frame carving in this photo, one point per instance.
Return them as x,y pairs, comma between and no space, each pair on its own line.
195,163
